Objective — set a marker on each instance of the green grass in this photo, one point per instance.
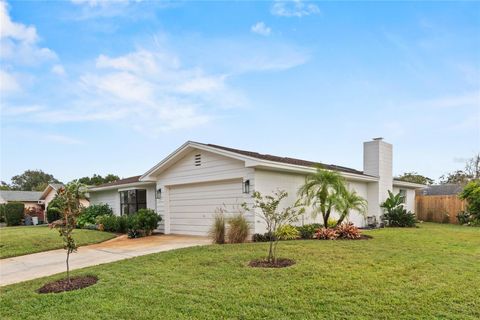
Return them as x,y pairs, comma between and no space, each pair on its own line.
431,272
17,241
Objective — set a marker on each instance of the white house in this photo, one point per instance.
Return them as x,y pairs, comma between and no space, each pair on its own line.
188,186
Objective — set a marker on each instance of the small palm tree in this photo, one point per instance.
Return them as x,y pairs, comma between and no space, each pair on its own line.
323,191
350,201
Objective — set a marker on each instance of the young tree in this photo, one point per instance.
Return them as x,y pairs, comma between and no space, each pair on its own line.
415,178
274,217
322,191
350,201
68,198
32,180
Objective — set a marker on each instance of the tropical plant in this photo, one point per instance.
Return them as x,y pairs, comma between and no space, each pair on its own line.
69,202
322,191
238,228
217,231
54,210
288,232
471,193
395,215
350,201
326,234
348,231
274,217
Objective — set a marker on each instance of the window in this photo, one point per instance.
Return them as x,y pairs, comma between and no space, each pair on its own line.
403,193
132,200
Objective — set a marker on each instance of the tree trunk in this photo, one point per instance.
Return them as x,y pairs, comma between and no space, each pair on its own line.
270,250
340,220
68,267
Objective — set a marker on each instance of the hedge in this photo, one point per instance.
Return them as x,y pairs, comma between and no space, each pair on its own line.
14,213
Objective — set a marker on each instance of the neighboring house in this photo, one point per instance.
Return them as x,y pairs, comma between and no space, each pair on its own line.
30,199
51,191
441,190
188,186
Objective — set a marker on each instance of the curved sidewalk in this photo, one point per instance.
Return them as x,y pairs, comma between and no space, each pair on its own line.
37,265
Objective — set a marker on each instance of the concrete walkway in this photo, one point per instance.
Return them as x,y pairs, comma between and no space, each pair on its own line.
37,265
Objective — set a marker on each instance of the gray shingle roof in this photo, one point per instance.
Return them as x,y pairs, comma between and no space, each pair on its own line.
9,196
442,190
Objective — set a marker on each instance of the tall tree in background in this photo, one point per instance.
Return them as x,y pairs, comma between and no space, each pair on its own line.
4,186
415,178
32,180
97,179
471,172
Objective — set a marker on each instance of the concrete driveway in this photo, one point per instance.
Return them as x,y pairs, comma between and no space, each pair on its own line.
37,265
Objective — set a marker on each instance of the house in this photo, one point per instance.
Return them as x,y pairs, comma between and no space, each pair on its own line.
441,190
49,194
189,186
28,198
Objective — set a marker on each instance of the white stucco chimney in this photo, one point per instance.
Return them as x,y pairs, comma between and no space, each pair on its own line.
377,161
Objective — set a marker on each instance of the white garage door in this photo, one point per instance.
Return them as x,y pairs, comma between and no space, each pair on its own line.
193,206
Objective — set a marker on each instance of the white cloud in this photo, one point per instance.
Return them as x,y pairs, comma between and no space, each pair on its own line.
295,8
18,43
261,28
61,139
58,69
463,100
100,3
8,83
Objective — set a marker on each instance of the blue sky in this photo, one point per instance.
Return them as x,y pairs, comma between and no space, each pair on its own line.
113,87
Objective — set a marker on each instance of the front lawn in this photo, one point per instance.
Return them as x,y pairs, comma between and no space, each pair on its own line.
431,272
17,241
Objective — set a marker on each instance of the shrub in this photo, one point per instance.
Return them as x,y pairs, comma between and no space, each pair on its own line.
326,234
307,231
348,231
217,231
238,228
395,215
14,213
463,217
471,193
89,214
331,223
142,223
54,211
2,212
259,237
287,232
109,223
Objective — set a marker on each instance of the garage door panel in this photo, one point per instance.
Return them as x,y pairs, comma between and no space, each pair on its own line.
193,207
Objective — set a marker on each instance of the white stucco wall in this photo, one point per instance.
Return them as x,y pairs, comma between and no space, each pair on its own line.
410,199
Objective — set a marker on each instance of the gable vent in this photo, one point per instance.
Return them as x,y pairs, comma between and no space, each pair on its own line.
198,160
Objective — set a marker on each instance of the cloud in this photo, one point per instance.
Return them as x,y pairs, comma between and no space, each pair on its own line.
61,139
8,83
261,28
462,100
295,8
58,70
18,43
99,3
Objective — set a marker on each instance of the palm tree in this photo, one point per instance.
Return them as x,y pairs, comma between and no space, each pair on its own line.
322,190
349,201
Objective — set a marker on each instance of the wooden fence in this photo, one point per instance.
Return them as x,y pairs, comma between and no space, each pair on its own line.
436,208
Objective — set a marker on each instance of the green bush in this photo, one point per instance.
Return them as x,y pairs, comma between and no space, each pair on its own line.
54,212
463,217
262,237
109,223
395,215
2,212
238,228
471,193
142,223
14,213
90,214
287,232
308,231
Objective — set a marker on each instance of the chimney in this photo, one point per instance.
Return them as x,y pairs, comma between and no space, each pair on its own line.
377,162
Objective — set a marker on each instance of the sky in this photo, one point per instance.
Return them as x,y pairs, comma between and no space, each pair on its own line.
92,86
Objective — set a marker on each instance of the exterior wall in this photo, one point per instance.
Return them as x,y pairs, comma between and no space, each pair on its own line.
410,199
50,197
112,197
269,181
34,205
213,168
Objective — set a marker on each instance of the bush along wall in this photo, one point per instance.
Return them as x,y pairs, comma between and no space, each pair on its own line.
14,213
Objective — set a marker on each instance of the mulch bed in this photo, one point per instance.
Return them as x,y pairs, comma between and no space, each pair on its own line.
63,285
362,237
280,263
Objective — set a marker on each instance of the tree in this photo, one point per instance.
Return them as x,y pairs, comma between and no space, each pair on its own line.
471,193
350,201
68,198
415,178
32,180
274,217
469,173
322,191
97,179
4,186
